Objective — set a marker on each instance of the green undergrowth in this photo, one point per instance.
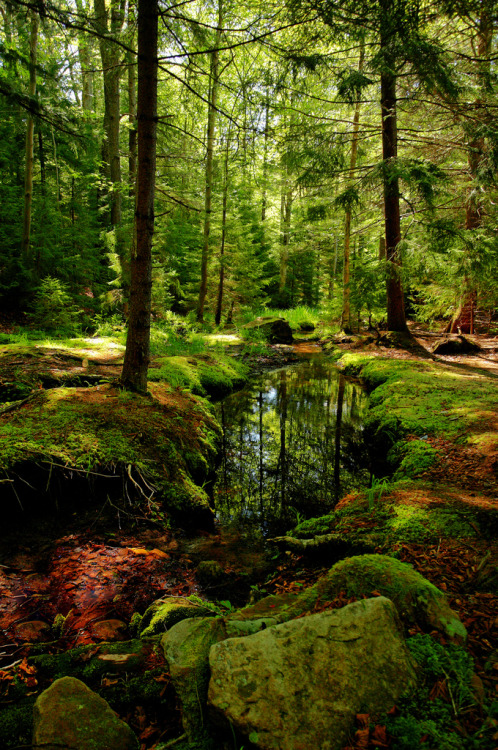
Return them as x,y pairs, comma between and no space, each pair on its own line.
425,719
163,446
296,316
215,375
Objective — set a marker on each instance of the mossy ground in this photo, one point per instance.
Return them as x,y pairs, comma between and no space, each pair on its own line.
162,446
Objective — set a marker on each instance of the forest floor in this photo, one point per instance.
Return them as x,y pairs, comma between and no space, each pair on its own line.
76,580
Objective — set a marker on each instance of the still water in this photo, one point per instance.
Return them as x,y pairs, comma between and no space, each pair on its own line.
292,446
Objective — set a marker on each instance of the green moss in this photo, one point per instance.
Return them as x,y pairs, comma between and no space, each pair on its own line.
315,526
161,441
412,458
204,373
420,398
16,724
425,721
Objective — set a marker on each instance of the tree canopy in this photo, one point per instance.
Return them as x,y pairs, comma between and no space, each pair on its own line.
337,154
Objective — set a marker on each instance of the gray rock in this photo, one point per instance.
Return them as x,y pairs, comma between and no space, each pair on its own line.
186,649
69,714
300,684
275,330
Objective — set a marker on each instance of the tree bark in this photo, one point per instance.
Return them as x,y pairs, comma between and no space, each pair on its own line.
396,320
346,306
85,42
136,361
28,170
463,319
209,167
111,64
221,280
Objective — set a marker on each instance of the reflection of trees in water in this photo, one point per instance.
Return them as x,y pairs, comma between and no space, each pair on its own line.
293,440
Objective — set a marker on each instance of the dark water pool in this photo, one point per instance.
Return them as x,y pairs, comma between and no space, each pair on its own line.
292,446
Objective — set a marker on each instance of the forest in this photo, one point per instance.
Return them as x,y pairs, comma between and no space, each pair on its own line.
248,362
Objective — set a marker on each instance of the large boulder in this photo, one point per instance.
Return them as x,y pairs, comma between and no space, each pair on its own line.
416,599
275,330
69,714
300,684
186,649
455,345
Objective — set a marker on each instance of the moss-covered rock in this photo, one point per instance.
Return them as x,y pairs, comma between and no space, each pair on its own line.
68,713
210,573
157,450
164,613
186,648
416,599
275,330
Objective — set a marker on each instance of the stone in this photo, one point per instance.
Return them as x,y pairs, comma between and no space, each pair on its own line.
275,330
210,573
69,714
416,599
164,613
300,684
306,326
186,649
109,630
34,631
455,345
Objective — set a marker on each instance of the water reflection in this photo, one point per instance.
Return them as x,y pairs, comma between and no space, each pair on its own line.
292,445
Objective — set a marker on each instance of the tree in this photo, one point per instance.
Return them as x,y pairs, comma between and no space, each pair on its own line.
137,355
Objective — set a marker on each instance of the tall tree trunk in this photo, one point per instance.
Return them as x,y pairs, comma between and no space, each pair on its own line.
110,54
209,166
463,320
132,123
136,361
85,42
221,280
286,200
346,306
28,170
395,300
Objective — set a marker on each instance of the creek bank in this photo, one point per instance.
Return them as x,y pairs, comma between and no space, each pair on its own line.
156,451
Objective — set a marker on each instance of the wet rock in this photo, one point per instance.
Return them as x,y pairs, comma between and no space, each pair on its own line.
34,631
455,345
164,613
186,649
69,714
306,326
109,630
300,684
210,573
275,330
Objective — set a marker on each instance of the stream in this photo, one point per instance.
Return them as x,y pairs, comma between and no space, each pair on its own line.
292,446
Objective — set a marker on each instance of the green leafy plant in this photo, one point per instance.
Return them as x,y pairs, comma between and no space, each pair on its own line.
53,308
376,490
